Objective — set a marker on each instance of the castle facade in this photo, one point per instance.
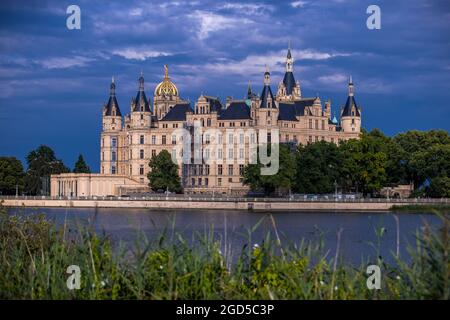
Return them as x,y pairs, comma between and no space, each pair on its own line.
212,141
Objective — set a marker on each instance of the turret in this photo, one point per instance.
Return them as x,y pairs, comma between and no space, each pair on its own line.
351,113
112,117
140,108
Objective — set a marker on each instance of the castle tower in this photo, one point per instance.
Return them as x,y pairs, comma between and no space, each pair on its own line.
112,126
140,108
267,113
289,89
165,96
351,113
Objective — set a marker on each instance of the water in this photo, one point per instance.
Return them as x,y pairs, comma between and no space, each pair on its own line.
358,238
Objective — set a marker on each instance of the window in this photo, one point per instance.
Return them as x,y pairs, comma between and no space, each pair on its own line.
230,180
113,156
142,117
219,169
131,169
323,124
310,139
163,139
141,154
207,154
207,170
287,137
241,138
219,154
174,153
241,169
153,153
113,169
153,139
103,156
114,142
241,153
141,139
230,138
208,122
230,169
199,181
230,153
141,170
310,124
269,137
219,181
317,139
174,139
103,169
206,181
317,124
353,121
193,181
103,142
220,139
207,138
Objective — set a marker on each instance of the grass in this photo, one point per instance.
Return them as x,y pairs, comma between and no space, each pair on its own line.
35,255
422,207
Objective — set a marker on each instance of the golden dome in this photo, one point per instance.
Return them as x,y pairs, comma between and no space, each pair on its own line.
166,87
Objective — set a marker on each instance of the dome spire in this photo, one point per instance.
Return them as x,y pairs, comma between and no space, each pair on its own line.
166,71
141,81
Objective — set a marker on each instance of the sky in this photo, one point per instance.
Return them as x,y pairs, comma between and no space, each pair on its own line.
55,81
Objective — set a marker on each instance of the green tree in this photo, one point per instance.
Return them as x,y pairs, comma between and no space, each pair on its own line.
11,175
81,166
42,162
439,187
281,182
163,173
364,163
318,167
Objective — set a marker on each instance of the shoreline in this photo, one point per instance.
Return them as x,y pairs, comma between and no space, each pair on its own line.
240,204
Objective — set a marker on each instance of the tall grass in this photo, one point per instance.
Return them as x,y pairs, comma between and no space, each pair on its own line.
35,255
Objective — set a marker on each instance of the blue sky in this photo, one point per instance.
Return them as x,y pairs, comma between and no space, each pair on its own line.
54,81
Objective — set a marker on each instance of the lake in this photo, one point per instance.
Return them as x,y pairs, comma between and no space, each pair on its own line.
358,228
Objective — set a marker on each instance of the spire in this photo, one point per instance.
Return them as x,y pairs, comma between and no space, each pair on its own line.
289,60
166,72
141,82
267,76
350,87
112,90
249,90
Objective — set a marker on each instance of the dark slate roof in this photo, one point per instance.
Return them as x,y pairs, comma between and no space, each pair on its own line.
287,112
289,82
141,99
110,105
214,103
178,112
290,111
265,94
237,110
112,102
347,111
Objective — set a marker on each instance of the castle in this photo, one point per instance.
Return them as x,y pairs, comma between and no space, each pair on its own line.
128,142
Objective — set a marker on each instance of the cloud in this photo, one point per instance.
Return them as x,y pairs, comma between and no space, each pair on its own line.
298,4
336,78
135,12
309,54
209,22
140,53
64,62
248,8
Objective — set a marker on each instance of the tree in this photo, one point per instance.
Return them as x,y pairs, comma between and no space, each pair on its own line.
11,175
81,166
42,162
163,173
439,187
318,167
364,163
281,182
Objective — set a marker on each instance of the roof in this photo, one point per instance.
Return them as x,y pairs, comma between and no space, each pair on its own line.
289,82
214,103
237,110
178,112
112,102
347,111
265,95
141,99
290,111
